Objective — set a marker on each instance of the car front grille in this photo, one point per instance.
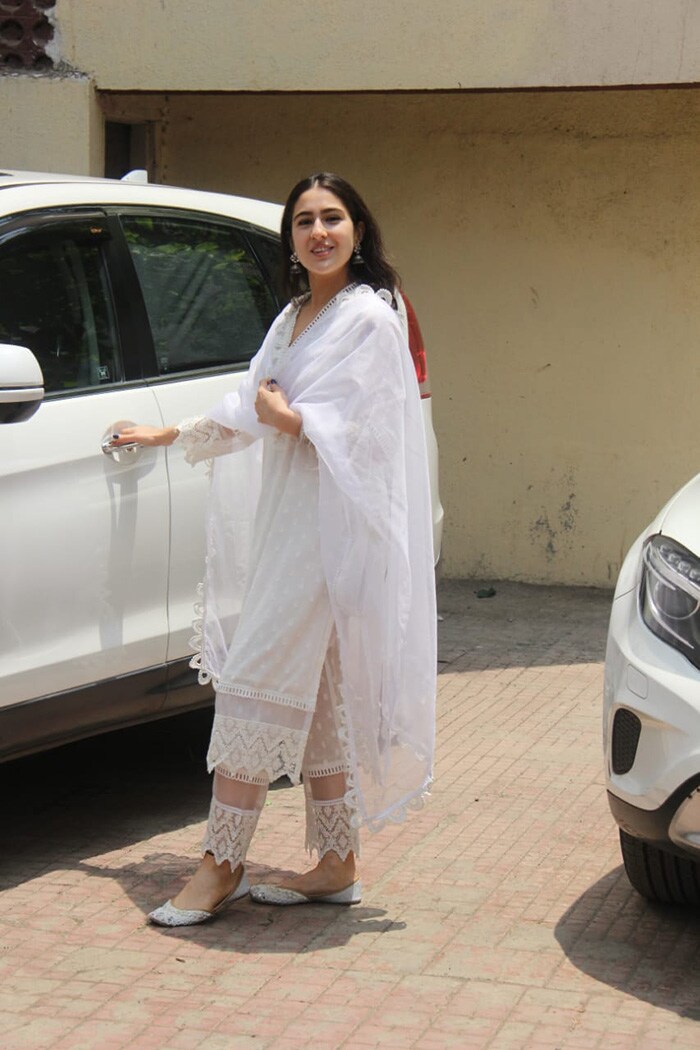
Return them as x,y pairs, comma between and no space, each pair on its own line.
625,738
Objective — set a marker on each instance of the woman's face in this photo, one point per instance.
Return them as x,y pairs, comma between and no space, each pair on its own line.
323,234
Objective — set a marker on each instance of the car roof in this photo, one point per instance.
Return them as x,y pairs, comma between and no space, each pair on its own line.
22,191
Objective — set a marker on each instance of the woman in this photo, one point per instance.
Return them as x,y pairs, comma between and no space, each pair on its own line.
318,617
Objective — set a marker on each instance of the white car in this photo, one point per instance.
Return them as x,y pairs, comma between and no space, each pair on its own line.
119,302
652,704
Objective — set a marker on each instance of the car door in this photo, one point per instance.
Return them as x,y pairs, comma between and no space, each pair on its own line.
209,301
84,542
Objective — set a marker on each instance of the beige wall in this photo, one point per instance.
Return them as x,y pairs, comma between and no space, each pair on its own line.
226,45
52,124
550,244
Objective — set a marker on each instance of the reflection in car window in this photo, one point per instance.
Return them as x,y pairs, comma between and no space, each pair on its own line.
55,299
268,250
207,301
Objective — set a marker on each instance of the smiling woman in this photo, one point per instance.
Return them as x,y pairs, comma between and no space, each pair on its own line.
330,668
325,214
323,234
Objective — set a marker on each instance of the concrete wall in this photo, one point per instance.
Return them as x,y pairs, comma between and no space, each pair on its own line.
548,239
549,243
229,45
51,123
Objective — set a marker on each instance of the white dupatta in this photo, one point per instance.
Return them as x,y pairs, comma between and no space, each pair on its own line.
351,378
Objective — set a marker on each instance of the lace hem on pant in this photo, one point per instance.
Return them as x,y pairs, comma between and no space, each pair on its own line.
229,832
255,752
329,827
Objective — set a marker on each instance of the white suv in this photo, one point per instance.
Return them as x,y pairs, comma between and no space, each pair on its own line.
651,718
119,302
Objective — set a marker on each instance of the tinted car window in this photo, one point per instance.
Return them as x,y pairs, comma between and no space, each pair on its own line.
55,298
269,253
207,301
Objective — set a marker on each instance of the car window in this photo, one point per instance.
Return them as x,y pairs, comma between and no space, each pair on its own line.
207,300
267,249
55,299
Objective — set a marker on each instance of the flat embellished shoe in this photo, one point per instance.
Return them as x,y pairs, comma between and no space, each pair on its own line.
265,893
169,915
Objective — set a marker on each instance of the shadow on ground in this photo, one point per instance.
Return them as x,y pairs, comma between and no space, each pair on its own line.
646,950
520,625
101,795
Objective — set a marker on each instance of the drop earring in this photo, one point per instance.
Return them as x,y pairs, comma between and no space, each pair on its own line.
295,268
357,256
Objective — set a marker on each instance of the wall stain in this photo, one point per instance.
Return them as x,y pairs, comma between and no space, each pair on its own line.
543,532
567,513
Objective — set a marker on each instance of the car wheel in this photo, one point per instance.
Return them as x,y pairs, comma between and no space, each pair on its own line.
658,875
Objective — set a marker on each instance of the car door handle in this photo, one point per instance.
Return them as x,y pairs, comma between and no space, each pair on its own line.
128,453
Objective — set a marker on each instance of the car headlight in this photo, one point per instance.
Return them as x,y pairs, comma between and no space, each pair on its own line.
670,595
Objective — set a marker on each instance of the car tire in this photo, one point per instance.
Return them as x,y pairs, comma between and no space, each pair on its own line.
658,875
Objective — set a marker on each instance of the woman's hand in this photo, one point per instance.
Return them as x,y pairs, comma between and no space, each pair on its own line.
149,436
272,408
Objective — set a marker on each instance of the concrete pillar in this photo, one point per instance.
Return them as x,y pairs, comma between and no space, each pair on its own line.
51,124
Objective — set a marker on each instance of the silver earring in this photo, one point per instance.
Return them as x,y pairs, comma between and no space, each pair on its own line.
357,256
295,268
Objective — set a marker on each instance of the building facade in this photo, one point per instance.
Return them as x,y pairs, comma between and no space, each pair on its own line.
534,168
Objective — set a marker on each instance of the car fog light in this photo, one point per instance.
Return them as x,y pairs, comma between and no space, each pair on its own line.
669,596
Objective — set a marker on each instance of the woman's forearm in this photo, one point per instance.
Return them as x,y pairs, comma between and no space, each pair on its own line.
145,435
289,422
170,435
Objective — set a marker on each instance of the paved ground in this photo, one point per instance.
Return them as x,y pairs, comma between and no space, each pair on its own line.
498,917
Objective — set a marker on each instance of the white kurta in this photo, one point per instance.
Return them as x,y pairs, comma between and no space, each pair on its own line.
327,540
268,684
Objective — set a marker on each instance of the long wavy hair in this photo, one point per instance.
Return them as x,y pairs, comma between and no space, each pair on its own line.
375,269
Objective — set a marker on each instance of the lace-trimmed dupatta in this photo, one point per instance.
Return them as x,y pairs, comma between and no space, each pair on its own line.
351,378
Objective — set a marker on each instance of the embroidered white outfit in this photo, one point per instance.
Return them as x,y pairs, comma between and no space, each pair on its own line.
318,612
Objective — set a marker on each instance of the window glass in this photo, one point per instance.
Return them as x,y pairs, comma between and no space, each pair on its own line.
268,250
207,301
55,299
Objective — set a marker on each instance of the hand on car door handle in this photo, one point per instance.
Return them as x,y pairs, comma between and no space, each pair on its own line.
128,453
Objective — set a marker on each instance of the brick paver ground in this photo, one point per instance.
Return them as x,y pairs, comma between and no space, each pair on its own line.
498,917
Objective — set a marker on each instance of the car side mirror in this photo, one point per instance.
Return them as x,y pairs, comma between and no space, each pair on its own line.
21,383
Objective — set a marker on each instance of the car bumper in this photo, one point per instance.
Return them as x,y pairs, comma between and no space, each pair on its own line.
672,827
651,729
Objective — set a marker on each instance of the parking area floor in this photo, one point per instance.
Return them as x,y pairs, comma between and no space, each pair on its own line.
497,917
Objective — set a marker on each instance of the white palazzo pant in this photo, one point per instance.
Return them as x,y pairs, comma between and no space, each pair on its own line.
237,803
279,705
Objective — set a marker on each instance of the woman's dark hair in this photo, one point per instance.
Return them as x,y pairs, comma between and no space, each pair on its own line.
375,269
